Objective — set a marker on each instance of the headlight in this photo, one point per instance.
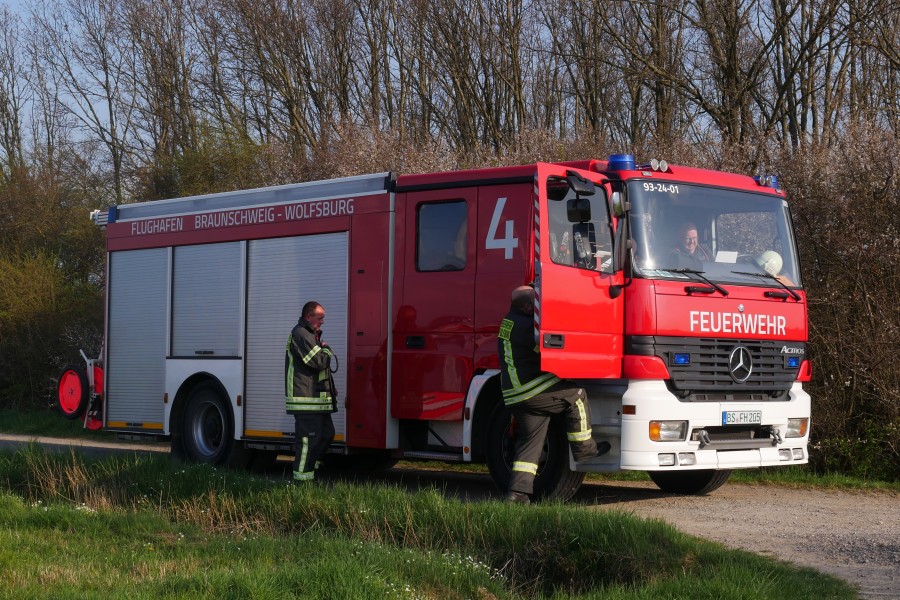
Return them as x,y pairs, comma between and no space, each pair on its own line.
797,428
668,431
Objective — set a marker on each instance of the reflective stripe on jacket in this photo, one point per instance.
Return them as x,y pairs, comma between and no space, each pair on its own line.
521,377
307,386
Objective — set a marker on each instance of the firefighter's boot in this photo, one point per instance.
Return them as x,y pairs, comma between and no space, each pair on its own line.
517,498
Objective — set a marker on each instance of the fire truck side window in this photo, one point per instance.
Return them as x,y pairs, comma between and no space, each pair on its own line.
585,245
441,236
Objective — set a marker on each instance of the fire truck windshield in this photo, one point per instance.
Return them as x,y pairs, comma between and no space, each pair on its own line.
728,235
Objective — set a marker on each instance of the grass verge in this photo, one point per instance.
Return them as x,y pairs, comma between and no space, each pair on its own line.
144,526
47,422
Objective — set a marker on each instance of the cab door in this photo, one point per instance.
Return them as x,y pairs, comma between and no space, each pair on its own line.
434,336
579,308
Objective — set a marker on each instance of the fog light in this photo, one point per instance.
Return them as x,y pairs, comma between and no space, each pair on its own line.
668,431
687,458
784,454
796,428
666,460
798,453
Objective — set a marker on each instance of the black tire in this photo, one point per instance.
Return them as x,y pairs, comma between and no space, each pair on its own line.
694,483
72,392
208,427
554,480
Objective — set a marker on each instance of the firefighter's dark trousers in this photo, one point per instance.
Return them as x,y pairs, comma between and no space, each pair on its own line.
533,419
312,434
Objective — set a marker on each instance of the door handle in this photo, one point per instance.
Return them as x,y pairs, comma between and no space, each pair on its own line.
554,340
415,342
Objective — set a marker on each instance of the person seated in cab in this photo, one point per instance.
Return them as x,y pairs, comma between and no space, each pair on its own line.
688,253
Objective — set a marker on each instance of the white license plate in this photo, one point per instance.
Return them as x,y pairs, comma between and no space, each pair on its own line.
741,417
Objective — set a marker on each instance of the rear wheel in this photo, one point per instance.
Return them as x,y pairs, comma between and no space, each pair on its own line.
72,392
208,431
694,483
554,480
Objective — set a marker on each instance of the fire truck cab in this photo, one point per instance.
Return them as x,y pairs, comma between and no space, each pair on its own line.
693,363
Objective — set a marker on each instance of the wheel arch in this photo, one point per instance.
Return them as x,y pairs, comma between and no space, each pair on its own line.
180,402
489,396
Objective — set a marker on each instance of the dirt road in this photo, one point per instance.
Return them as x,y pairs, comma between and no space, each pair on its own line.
851,534
854,535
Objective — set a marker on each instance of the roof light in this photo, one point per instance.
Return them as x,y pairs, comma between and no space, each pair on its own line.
621,162
659,165
767,181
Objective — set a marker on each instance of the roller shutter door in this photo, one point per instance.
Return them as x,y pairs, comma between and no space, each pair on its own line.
136,344
206,301
283,274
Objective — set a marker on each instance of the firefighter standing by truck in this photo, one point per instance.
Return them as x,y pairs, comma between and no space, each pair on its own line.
534,396
309,391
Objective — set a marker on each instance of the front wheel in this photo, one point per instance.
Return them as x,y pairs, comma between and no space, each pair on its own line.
554,480
695,483
207,427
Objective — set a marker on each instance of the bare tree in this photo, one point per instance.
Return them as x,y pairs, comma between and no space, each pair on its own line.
161,62
81,44
13,95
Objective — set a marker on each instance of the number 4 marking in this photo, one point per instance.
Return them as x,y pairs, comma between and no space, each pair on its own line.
508,243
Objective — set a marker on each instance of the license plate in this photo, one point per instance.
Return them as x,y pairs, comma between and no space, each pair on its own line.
741,417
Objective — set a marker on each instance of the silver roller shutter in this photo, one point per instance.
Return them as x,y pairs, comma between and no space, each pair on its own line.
136,344
206,300
283,274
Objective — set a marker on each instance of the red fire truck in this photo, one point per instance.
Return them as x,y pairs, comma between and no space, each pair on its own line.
693,363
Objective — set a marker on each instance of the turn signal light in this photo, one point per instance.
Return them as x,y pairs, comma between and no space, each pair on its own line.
797,428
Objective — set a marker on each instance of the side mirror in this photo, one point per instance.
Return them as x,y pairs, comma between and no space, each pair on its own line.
578,210
580,185
557,188
617,203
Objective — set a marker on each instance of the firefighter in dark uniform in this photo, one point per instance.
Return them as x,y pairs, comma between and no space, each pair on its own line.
534,396
309,390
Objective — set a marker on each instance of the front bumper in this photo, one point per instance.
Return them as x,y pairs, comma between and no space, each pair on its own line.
652,401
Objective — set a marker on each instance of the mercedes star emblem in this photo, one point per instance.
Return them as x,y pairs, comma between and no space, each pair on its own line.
740,364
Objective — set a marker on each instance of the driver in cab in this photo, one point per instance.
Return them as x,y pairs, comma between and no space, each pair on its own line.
688,252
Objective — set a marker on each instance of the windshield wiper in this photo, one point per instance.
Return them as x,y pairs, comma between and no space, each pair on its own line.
699,275
793,294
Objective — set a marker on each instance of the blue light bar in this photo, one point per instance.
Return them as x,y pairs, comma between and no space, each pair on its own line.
681,358
793,362
621,162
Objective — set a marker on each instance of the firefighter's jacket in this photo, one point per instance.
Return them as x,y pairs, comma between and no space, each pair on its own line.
308,386
521,377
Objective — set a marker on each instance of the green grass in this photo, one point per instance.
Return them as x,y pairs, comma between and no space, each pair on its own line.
144,526
48,422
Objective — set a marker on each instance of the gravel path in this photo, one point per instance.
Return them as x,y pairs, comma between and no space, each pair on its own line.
854,535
